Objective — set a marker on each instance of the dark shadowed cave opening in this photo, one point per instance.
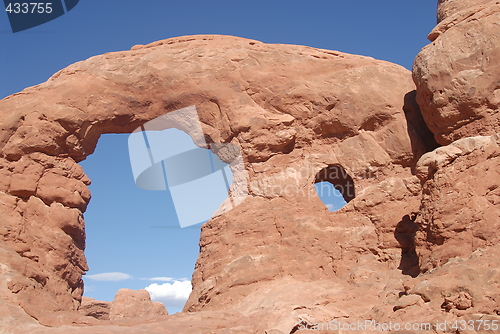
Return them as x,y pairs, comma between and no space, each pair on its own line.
334,186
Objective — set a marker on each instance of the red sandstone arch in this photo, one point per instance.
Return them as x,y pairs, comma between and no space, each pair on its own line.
282,105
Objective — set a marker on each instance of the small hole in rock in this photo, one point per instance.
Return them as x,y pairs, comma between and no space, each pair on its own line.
334,187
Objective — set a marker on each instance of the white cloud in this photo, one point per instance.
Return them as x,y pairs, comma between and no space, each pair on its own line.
159,279
171,294
330,206
113,277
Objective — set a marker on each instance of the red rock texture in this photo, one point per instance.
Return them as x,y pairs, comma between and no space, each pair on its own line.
460,211
127,304
457,74
95,308
313,109
134,304
448,8
417,241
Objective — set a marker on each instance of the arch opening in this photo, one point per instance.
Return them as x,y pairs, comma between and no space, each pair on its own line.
334,186
134,236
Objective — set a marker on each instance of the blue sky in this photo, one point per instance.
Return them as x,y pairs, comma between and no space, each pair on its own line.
133,240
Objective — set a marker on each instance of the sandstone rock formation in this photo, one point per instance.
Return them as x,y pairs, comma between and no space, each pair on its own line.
457,74
279,262
134,304
127,304
459,214
314,109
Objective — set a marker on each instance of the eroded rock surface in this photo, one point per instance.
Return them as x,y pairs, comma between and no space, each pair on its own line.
134,304
95,308
460,211
457,74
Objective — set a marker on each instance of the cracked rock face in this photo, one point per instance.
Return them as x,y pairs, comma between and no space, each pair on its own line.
460,211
